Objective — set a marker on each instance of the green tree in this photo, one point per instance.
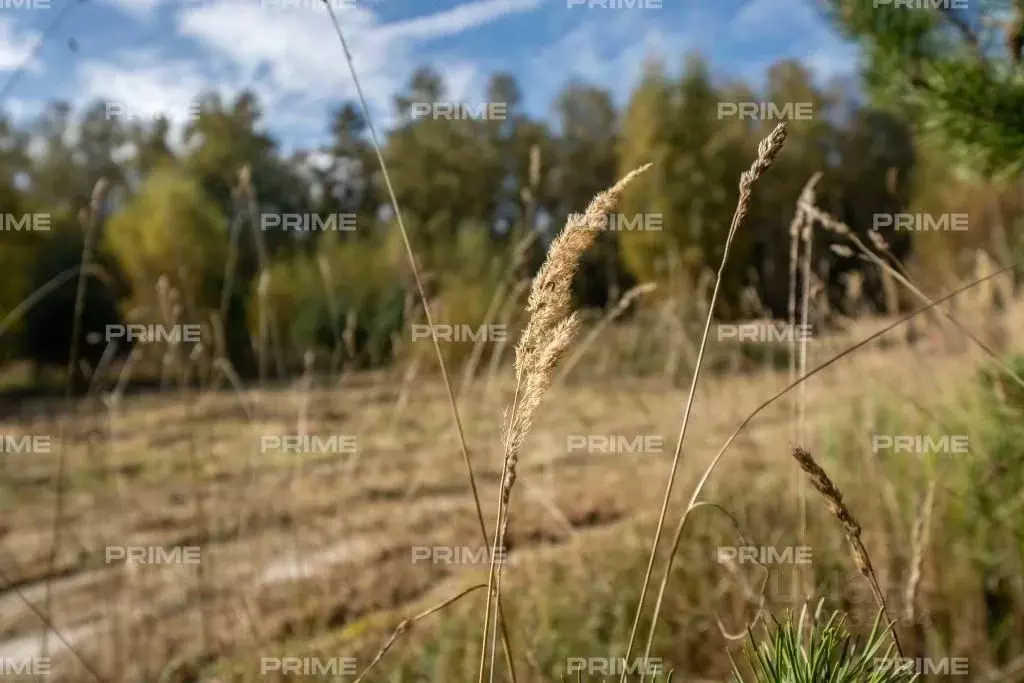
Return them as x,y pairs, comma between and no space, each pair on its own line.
17,255
48,326
152,148
349,182
585,163
225,138
957,73
646,138
699,157
56,176
446,173
812,143
312,299
171,229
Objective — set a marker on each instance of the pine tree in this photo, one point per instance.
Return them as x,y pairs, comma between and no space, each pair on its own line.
955,70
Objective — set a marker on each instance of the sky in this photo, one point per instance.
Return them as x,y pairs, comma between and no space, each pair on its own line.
155,56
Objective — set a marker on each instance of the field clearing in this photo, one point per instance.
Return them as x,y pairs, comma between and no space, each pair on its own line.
299,550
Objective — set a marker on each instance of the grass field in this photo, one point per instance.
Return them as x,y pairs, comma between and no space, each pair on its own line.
319,556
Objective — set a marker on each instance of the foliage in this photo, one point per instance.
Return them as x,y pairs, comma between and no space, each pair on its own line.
468,189
17,255
808,651
950,71
46,338
171,228
313,297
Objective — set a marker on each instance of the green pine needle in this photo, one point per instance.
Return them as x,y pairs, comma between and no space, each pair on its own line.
807,651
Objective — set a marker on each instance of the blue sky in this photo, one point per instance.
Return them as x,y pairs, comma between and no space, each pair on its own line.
156,55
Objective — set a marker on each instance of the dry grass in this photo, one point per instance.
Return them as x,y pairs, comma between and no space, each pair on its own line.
351,604
545,339
839,510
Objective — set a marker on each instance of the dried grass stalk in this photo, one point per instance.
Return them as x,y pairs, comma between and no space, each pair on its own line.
834,501
833,224
919,543
767,151
550,330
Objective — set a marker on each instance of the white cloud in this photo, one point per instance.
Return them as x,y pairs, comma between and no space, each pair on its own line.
20,109
16,46
832,61
299,47
142,9
301,68
306,66
753,14
456,20
763,19
464,80
143,87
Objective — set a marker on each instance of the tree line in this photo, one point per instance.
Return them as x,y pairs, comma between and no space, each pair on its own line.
300,252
